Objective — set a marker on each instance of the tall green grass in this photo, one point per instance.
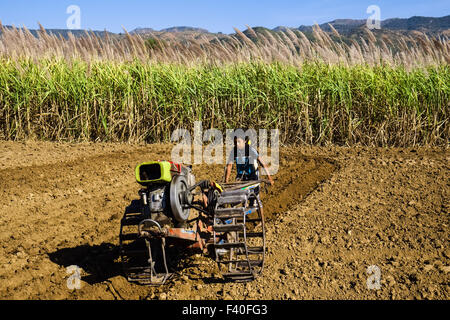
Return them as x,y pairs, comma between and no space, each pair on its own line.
313,103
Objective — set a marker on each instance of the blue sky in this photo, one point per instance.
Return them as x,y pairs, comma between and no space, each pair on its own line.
212,15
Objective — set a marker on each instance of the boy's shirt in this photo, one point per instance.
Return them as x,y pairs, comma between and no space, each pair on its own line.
246,162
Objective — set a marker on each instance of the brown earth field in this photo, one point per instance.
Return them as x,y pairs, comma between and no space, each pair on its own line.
332,213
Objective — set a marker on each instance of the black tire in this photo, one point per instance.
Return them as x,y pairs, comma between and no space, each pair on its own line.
177,186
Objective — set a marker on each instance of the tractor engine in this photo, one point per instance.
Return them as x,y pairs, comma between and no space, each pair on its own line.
164,181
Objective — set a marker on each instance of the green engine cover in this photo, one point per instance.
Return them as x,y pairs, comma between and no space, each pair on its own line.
153,172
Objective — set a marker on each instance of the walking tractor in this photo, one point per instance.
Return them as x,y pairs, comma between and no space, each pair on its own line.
178,214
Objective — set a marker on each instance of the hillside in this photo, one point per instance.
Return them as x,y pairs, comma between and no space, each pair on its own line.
348,28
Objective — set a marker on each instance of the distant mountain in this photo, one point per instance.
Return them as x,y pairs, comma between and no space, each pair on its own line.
181,29
427,25
185,29
142,31
280,29
343,26
348,28
65,32
418,23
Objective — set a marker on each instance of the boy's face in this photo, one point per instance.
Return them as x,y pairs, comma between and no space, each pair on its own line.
240,143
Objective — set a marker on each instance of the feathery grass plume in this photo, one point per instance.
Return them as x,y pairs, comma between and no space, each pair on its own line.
364,44
252,32
293,37
244,38
335,32
370,35
422,41
130,42
270,37
317,35
235,43
305,41
329,43
43,36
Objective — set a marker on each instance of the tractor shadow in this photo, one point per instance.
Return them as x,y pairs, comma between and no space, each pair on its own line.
102,262
214,280
99,262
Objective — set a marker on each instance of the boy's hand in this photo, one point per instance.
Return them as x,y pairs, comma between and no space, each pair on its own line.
205,184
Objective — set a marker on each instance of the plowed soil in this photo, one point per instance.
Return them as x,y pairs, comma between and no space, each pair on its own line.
331,214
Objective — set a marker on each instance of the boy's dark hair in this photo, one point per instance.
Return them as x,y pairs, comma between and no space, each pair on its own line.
243,134
240,134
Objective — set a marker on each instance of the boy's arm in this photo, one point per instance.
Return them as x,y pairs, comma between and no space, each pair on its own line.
229,166
261,162
228,172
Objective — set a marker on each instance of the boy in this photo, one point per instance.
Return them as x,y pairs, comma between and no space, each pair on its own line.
247,160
